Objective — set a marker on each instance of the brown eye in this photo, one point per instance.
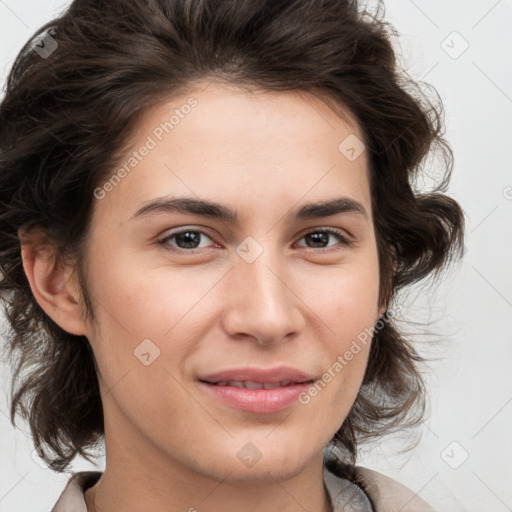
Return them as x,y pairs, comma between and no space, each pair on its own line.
320,238
185,240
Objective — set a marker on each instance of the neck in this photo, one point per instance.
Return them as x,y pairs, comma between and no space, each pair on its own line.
143,479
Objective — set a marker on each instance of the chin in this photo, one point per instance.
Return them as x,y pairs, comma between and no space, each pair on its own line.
264,473
264,462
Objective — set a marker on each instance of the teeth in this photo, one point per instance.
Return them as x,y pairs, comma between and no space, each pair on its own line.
236,384
254,385
274,385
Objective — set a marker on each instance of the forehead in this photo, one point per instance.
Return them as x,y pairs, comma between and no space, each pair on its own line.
258,149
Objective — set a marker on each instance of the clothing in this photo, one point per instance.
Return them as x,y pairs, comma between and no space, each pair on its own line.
364,491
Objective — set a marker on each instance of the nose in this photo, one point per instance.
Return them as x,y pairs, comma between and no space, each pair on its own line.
261,301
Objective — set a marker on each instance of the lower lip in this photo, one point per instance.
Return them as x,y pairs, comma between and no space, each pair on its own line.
261,401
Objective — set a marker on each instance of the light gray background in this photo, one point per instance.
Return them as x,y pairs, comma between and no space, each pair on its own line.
470,381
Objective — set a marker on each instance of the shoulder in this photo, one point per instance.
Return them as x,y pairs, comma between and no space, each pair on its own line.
389,495
385,494
72,497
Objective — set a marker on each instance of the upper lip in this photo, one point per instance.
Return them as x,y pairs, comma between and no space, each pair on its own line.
259,375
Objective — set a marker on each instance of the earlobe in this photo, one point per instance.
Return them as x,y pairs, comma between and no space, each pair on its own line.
51,282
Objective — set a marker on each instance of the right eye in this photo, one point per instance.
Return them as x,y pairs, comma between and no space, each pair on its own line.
184,240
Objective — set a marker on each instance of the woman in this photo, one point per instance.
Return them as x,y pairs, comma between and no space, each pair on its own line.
215,207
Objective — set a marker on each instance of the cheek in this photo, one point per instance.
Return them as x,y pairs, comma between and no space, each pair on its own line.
146,302
347,355
138,349
345,296
349,309
152,316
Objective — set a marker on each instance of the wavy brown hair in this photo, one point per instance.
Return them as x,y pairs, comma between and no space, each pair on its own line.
66,118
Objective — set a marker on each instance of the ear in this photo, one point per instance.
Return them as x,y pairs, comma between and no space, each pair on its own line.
52,284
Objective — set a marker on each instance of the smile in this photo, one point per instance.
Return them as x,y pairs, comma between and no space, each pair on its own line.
253,385
256,397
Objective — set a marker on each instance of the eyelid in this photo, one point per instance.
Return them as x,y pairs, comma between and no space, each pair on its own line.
162,240
329,229
346,240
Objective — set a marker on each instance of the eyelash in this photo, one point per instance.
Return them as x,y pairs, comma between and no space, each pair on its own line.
345,242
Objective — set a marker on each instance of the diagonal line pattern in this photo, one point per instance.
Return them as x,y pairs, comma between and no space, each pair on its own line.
111,315
429,71
320,115
430,430
217,486
109,390
492,211
27,434
11,489
508,508
490,284
304,195
208,84
291,496
486,14
418,492
277,426
386,149
198,301
424,13
492,81
12,12
199,403
301,300
506,403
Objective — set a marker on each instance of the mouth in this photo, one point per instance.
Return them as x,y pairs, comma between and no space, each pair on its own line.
256,385
256,397
257,390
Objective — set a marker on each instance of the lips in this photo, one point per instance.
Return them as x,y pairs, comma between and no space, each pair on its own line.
254,385
283,375
260,391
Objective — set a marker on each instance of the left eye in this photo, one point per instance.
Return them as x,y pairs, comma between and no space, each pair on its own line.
321,236
188,239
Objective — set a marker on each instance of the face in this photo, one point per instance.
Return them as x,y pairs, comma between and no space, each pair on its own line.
181,293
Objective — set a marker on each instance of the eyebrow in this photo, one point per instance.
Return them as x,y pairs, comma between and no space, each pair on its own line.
215,210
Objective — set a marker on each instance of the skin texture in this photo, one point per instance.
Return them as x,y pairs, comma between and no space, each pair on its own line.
169,445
